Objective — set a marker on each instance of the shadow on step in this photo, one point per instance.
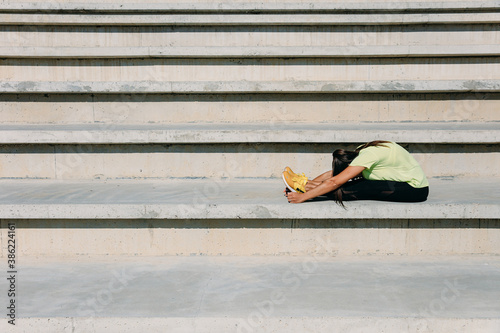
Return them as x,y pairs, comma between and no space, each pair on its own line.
233,148
256,224
260,97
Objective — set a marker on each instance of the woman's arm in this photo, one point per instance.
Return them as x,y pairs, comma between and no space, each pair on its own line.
324,176
326,186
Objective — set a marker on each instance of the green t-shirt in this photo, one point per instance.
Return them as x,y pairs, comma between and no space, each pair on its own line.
390,161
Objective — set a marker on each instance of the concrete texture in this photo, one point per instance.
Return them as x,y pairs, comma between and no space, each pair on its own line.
246,294
267,110
248,19
346,37
122,221
257,75
256,237
436,133
274,325
205,75
252,52
230,199
122,87
245,6
163,161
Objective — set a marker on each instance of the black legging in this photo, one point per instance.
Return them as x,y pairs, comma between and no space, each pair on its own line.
384,190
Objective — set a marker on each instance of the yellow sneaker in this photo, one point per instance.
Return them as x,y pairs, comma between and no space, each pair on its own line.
294,175
294,184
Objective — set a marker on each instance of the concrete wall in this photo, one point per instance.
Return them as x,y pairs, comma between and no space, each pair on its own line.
220,160
255,237
248,108
91,36
251,70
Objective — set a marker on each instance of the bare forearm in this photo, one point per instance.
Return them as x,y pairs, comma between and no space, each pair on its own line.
333,183
328,185
324,176
324,188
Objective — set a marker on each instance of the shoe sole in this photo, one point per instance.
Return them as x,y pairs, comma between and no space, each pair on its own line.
288,186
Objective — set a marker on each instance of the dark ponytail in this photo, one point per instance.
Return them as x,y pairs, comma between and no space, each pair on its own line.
341,160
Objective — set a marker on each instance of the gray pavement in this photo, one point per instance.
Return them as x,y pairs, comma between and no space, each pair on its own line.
429,287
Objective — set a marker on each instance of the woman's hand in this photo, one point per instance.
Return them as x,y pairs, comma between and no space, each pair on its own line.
295,197
326,186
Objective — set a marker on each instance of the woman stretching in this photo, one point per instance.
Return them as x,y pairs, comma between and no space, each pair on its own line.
377,170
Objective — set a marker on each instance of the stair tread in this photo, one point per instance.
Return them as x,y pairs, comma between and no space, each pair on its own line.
450,198
425,132
243,86
232,287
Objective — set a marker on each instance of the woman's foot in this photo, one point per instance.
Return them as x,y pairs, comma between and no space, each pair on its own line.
294,184
293,174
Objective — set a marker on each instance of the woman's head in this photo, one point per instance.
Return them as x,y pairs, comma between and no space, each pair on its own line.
341,160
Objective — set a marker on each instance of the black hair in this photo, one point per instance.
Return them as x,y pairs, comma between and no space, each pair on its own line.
341,160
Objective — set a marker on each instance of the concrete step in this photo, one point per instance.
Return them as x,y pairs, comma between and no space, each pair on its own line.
251,75
244,86
254,237
373,51
164,161
436,133
249,36
250,6
113,110
246,19
230,199
242,217
256,294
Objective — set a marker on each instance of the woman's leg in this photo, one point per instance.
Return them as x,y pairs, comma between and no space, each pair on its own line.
383,190
312,184
318,180
323,176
